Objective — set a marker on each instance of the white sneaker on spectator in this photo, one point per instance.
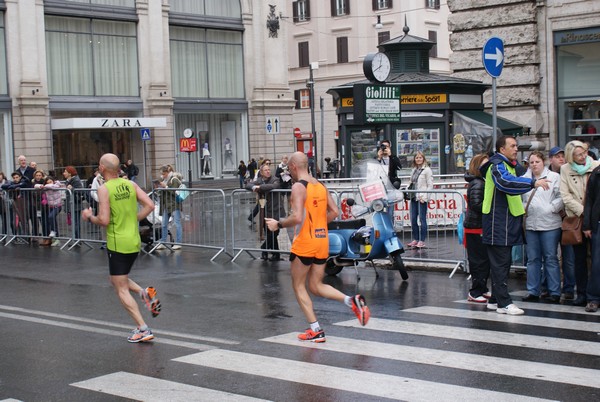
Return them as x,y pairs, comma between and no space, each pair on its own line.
52,234
511,309
161,247
478,299
492,306
176,247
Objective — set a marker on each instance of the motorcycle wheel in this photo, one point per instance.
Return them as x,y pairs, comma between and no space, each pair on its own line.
399,265
331,269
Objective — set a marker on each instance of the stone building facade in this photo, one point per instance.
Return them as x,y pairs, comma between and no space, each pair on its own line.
551,60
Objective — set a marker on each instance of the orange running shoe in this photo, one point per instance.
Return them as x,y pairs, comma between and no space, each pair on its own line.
149,296
310,335
362,312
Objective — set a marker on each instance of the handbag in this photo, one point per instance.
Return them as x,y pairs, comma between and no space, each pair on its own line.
181,193
409,196
571,231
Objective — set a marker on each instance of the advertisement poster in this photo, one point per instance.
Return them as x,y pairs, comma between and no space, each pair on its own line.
410,141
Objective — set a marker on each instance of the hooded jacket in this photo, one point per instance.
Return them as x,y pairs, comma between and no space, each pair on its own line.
501,227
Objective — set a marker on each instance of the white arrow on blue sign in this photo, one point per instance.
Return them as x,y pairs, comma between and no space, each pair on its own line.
493,56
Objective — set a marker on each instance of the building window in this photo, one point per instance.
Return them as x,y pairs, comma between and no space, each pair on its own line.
303,54
301,10
342,49
302,97
382,4
383,36
3,72
433,38
120,3
434,4
340,7
220,8
206,63
91,57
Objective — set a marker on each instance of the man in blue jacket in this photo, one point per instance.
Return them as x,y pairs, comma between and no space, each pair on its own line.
503,217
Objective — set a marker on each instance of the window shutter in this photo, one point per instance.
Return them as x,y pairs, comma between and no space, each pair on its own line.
307,10
375,5
295,11
333,11
390,3
297,97
433,38
347,6
342,49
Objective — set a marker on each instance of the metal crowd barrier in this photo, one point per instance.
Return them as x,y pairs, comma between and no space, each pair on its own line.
248,235
27,216
203,220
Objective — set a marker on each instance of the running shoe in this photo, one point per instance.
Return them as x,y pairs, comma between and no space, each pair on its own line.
362,312
312,336
140,336
478,299
149,296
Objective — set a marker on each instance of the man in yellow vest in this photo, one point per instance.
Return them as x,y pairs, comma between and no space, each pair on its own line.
118,200
503,217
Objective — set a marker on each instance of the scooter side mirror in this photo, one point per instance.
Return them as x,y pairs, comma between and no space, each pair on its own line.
396,184
350,201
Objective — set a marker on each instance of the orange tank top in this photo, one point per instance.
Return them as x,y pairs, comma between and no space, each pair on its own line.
310,237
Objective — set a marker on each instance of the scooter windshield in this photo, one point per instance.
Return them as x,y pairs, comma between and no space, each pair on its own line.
374,181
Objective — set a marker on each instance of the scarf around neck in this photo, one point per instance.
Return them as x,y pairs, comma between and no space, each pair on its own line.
582,169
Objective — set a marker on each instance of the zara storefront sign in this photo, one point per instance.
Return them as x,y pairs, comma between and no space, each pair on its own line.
377,103
108,123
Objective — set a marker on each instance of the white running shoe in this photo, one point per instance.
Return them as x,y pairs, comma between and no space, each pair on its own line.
478,299
52,234
492,306
511,309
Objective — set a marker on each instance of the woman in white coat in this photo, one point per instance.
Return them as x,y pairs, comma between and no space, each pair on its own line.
421,179
542,230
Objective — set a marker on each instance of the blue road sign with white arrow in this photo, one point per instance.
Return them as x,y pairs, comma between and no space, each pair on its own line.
493,56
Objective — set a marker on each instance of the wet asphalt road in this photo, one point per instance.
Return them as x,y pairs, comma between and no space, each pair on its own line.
63,336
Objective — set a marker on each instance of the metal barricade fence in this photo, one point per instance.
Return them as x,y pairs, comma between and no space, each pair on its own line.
30,214
247,235
203,217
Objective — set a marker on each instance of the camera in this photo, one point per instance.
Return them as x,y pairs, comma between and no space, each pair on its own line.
383,147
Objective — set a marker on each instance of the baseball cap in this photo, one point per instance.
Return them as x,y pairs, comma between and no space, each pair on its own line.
555,150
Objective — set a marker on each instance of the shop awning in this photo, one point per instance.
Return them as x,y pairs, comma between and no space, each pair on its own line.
507,127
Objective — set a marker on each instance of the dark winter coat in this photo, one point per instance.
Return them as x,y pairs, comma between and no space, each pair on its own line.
274,206
473,217
591,210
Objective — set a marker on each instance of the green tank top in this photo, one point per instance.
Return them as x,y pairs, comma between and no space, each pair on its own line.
122,232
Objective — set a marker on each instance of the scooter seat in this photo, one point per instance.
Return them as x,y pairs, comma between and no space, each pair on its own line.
347,224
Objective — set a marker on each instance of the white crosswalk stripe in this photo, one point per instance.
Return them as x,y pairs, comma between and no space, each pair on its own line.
150,389
374,384
531,369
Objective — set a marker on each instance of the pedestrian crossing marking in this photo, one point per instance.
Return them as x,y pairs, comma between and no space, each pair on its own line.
489,315
458,360
150,389
372,384
555,308
479,335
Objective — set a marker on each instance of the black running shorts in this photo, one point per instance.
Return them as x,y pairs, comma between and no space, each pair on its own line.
120,264
308,261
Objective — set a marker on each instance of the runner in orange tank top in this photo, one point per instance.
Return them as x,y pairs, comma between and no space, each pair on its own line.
312,208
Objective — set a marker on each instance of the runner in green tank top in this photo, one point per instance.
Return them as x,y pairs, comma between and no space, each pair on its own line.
118,212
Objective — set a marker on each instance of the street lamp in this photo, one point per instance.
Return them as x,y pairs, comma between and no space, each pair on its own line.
311,86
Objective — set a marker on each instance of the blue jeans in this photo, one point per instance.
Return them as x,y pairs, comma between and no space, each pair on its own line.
165,223
542,250
418,210
593,287
568,268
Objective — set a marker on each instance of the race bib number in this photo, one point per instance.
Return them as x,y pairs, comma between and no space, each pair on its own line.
320,233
